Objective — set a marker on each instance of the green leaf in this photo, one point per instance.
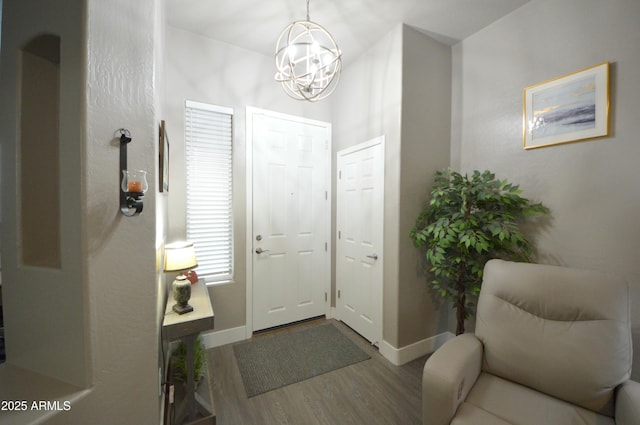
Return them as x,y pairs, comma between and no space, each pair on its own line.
468,219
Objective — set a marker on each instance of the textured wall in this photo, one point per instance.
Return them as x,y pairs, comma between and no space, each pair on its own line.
591,186
121,252
95,322
45,313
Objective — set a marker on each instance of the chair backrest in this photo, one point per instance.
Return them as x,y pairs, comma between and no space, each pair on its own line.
561,331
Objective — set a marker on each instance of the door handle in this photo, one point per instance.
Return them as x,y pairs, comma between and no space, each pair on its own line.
373,256
260,250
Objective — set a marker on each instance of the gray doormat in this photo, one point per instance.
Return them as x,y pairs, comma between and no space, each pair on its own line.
273,361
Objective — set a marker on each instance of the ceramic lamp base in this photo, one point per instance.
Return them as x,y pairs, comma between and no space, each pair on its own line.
182,309
182,294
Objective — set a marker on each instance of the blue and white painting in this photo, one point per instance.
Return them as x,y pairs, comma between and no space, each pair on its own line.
564,109
567,109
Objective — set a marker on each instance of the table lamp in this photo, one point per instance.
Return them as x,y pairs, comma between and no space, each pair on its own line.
180,257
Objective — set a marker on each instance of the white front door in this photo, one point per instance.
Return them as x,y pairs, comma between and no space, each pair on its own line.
291,218
359,254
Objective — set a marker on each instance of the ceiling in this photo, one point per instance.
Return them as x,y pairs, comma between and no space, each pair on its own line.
355,24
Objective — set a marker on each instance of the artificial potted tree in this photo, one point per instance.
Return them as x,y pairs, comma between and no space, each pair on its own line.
468,221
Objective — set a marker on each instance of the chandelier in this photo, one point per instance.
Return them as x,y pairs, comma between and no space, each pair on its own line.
308,61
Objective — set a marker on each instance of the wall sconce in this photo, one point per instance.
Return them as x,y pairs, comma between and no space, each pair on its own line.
134,185
134,182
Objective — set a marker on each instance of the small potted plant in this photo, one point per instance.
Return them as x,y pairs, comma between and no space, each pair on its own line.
179,362
468,221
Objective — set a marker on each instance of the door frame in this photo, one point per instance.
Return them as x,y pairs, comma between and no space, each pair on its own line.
250,113
379,296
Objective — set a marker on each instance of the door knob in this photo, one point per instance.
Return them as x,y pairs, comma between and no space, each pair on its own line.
373,256
260,250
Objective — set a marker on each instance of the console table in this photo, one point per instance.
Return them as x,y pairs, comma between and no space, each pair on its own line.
194,409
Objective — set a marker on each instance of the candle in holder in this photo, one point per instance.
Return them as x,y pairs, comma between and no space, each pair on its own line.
134,186
134,181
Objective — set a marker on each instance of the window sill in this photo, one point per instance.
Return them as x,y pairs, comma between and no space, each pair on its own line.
219,282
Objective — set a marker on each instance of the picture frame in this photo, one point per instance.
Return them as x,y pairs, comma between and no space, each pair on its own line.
570,108
163,158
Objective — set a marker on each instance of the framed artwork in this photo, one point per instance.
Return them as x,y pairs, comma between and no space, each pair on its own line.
567,109
164,158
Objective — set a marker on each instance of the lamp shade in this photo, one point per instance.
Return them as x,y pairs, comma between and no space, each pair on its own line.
179,256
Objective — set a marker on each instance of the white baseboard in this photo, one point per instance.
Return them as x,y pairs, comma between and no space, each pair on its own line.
400,356
333,314
397,356
227,336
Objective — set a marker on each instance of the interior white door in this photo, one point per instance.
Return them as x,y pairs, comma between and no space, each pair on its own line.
359,265
291,219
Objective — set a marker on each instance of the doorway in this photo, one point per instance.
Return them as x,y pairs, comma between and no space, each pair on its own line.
359,250
288,219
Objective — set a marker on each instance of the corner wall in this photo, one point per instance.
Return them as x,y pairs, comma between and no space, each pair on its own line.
368,104
121,253
401,88
590,186
426,117
95,323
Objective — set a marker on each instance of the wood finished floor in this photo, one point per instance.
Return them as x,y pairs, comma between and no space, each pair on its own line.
367,393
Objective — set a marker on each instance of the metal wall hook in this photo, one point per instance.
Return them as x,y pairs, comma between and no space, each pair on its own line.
125,135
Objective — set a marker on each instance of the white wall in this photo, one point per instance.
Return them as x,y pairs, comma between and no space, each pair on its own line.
103,308
205,70
44,308
591,187
121,252
401,88
426,117
369,105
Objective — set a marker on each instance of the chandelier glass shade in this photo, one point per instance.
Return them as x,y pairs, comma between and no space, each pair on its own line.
308,61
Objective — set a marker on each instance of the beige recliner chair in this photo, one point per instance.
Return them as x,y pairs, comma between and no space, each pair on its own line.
552,346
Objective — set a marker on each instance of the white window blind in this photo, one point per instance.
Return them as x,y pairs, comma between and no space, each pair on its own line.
208,140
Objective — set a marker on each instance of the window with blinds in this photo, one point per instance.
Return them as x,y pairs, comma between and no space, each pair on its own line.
208,141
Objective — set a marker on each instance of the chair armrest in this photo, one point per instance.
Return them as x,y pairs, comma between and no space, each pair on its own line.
448,376
628,404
